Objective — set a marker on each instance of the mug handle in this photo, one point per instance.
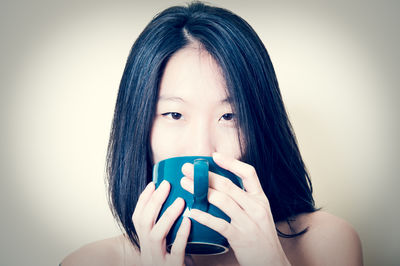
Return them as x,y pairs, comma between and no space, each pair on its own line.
200,185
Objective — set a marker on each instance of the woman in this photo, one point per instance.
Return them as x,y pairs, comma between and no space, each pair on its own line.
199,81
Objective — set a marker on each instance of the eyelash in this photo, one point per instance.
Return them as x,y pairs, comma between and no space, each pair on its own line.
230,116
172,114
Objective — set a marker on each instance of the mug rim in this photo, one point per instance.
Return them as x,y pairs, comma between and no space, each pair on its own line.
225,249
183,157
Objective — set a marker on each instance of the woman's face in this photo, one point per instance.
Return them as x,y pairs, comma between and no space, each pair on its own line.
193,114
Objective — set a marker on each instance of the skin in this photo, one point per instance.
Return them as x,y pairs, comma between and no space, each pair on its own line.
193,117
191,107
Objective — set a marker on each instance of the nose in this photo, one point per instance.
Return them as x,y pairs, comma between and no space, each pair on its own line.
200,139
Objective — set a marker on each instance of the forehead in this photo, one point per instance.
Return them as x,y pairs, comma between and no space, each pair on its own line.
192,70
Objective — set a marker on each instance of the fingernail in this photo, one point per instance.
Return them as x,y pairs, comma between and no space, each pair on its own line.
164,183
187,168
179,201
151,184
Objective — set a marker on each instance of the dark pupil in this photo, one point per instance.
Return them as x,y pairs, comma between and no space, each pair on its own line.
176,115
228,116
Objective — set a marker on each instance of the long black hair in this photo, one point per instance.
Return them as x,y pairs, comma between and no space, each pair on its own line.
269,141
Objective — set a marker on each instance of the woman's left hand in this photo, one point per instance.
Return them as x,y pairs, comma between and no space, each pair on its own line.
251,232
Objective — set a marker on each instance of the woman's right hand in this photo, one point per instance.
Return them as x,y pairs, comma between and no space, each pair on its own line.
152,235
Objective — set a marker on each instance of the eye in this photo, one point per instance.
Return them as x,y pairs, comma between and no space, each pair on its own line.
228,116
173,115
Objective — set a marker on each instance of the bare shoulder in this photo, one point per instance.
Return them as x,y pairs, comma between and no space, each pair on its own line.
329,240
111,251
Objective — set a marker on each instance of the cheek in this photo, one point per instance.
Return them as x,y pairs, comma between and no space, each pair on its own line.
228,143
163,142
170,141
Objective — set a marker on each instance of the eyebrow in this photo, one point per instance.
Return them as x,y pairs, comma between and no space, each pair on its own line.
174,99
179,99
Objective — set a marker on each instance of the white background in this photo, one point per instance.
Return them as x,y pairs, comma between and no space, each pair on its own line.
61,63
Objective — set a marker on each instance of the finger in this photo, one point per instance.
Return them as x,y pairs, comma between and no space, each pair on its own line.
161,229
248,211
179,245
245,200
224,185
256,208
215,223
152,208
239,218
187,184
143,199
243,170
143,220
188,169
164,224
222,200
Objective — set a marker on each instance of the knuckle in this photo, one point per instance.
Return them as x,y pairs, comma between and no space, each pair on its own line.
145,193
141,223
224,227
228,184
224,200
259,212
155,203
134,220
220,198
251,171
157,200
259,216
168,215
155,237
141,196
265,203
229,209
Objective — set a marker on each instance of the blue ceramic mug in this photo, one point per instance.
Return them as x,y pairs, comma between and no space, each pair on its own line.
202,239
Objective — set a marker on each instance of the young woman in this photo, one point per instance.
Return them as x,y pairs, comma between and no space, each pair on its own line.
199,81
